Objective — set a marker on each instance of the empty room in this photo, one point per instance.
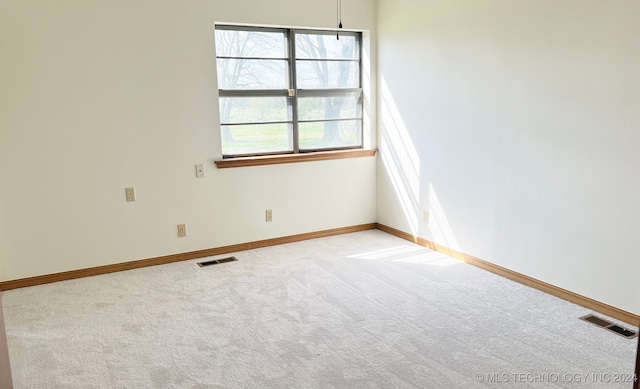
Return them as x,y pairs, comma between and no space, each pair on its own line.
319,194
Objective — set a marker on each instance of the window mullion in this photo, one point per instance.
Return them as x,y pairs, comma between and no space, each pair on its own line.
361,85
328,92
252,92
294,85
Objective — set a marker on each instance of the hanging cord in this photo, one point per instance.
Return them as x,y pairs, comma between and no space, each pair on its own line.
338,18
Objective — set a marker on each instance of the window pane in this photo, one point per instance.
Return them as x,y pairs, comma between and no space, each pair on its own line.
257,138
315,46
326,135
347,106
252,74
252,44
328,74
254,109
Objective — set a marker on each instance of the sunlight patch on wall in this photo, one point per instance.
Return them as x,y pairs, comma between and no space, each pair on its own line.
439,223
400,157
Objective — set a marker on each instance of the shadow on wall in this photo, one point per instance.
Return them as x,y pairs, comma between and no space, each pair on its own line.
401,162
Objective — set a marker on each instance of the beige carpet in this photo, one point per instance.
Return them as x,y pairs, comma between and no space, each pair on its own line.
364,310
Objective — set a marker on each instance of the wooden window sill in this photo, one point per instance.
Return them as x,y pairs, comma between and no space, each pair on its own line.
293,158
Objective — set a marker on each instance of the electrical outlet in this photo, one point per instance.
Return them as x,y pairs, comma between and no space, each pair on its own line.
182,230
269,215
130,193
200,170
425,216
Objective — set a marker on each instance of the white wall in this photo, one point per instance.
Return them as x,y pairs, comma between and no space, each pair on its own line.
97,96
517,124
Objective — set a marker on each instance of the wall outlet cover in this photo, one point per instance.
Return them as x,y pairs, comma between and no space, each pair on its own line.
182,230
130,193
200,170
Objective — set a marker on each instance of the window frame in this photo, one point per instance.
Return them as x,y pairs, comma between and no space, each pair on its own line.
292,101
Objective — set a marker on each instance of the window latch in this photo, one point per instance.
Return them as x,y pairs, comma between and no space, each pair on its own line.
292,92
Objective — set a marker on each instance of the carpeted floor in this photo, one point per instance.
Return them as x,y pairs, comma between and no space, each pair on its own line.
363,310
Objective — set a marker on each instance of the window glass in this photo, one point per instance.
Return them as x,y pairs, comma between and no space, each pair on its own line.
346,106
328,135
323,46
254,109
252,74
327,74
251,44
257,138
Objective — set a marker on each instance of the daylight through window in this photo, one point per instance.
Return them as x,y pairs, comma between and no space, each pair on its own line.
288,90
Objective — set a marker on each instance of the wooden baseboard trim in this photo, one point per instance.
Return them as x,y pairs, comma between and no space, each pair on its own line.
564,294
94,271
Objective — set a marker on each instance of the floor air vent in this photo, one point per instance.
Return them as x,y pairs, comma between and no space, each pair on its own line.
610,326
217,261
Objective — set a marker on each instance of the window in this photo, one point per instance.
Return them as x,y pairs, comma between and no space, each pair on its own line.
288,91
